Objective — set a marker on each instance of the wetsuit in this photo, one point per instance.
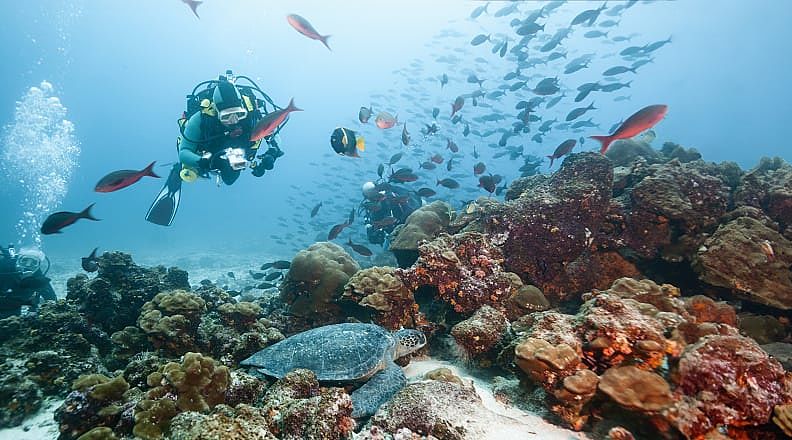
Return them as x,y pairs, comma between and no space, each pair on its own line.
16,291
387,206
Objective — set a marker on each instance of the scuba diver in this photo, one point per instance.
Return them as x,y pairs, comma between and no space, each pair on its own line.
22,280
384,207
215,138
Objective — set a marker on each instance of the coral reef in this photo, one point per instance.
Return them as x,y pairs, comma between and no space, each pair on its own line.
726,380
481,333
226,423
316,280
750,259
195,384
96,401
171,319
387,301
552,223
466,269
113,299
425,223
235,331
298,408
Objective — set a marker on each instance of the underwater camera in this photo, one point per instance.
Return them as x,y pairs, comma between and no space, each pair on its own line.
236,158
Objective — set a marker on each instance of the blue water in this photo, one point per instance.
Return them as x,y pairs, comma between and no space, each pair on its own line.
122,69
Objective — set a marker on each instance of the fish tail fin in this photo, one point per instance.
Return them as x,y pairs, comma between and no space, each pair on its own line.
292,108
86,213
149,170
323,39
552,158
93,253
605,140
360,143
438,182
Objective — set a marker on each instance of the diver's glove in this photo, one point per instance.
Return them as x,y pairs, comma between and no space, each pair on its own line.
258,170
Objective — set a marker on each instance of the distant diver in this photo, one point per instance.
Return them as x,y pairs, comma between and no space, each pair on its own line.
221,132
23,282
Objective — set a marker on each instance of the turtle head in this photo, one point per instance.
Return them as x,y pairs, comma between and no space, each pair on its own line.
407,341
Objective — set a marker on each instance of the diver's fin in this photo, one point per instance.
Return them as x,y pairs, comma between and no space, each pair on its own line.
164,208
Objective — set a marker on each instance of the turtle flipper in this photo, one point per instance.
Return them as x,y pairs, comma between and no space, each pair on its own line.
378,390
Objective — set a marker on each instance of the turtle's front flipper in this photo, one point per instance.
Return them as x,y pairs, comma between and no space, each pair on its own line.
378,390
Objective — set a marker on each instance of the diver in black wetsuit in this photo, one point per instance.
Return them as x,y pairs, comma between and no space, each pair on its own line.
386,206
23,282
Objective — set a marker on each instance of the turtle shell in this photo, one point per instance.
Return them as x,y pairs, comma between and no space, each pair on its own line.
339,352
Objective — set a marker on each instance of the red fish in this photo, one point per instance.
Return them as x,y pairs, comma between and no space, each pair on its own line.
193,4
385,120
457,105
302,26
59,220
122,179
642,120
438,159
479,168
271,121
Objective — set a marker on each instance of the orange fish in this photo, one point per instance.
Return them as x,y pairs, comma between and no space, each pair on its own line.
386,120
272,121
304,27
642,120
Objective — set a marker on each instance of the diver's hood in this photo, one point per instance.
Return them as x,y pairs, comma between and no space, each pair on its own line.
226,95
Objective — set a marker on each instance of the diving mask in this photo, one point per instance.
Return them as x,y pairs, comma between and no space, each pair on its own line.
233,115
29,262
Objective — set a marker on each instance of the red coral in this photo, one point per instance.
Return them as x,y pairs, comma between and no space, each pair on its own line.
466,269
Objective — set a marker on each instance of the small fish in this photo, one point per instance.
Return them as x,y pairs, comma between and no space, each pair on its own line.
395,158
638,122
59,220
430,129
193,4
427,165
270,122
380,169
438,159
273,276
351,217
466,131
562,150
90,263
451,145
578,112
335,230
281,264
479,39
449,164
459,102
618,70
384,222
315,209
364,114
266,286
443,80
346,142
448,183
435,112
426,192
231,275
479,168
256,275
405,136
385,120
304,27
360,249
767,249
123,178
403,175
475,152
488,183
473,79
478,11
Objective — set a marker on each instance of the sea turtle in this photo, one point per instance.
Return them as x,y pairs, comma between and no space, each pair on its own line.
349,352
